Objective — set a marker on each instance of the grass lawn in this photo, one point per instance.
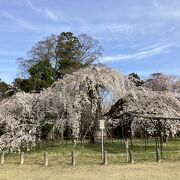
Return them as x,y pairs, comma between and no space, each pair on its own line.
89,166
144,171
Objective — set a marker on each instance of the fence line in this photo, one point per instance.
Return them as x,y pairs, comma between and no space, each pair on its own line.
128,156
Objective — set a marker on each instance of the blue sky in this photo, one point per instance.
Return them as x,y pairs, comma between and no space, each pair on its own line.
140,36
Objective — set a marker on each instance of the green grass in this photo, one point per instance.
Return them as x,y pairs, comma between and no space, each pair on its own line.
91,153
88,165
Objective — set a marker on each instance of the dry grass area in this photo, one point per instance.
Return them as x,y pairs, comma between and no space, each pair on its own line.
144,171
88,163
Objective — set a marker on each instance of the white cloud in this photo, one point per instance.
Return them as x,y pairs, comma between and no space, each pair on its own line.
167,10
140,54
29,3
19,21
157,5
48,12
119,27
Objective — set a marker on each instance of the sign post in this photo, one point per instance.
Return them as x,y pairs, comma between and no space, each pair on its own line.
102,127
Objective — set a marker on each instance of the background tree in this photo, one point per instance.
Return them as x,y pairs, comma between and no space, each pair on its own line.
4,87
67,50
89,50
65,53
41,51
159,82
134,77
26,85
41,76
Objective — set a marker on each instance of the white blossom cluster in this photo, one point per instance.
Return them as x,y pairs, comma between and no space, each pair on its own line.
152,111
76,98
17,120
76,95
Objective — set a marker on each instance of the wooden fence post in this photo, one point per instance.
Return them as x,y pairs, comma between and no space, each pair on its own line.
45,158
2,157
158,156
105,158
73,158
127,152
131,157
22,158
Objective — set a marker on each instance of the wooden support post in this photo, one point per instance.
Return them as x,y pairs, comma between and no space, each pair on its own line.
105,158
22,158
73,158
127,152
158,156
102,146
131,157
2,157
45,158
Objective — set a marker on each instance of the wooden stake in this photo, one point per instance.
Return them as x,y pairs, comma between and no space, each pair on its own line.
105,158
73,158
22,158
127,152
2,157
158,160
131,157
45,158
